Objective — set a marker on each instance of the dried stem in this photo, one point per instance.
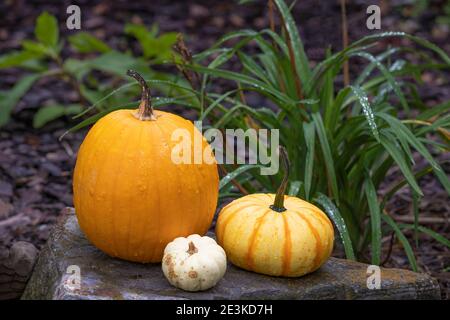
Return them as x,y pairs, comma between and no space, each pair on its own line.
271,15
298,83
192,248
345,41
278,204
391,244
145,111
186,58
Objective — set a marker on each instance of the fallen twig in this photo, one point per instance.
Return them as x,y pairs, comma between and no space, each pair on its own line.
12,220
422,220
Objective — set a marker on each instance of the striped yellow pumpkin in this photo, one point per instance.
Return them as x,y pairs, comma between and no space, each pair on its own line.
276,235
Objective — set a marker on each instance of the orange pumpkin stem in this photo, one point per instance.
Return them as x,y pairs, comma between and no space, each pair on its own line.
278,204
145,111
192,248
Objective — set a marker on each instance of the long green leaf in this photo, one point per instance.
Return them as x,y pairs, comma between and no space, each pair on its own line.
250,81
157,102
52,112
401,237
326,151
375,220
429,232
387,74
301,60
294,188
334,214
416,201
399,159
12,97
310,138
402,130
367,110
234,174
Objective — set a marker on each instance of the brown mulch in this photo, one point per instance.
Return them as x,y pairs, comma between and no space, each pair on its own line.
36,168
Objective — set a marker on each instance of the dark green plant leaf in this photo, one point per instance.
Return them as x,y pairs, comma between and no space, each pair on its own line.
415,205
118,63
375,220
294,188
153,46
367,110
301,60
427,231
402,131
387,74
234,174
12,97
258,85
157,102
52,112
401,162
135,84
326,151
434,111
378,59
216,103
38,49
47,31
401,237
403,182
84,42
78,68
335,216
16,58
310,139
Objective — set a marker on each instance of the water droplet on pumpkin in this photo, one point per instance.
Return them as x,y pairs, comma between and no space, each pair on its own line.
142,187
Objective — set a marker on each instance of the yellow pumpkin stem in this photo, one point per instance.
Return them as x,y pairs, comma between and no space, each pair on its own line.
145,111
192,248
278,204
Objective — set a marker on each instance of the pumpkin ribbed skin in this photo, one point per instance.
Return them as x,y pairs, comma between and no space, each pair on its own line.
291,243
130,198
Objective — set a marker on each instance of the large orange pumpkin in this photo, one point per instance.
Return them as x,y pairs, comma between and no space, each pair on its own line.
131,198
276,235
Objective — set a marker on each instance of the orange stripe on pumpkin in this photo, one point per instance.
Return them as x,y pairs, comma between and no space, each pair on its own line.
253,240
222,226
319,246
324,222
323,217
287,247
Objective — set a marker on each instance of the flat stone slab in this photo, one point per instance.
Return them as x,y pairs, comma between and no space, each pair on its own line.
68,252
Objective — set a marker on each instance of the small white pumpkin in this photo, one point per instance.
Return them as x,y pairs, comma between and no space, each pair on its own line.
194,263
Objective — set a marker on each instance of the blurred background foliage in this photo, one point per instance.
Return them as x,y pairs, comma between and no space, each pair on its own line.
41,57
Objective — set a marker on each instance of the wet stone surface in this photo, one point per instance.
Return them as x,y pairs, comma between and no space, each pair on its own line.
103,277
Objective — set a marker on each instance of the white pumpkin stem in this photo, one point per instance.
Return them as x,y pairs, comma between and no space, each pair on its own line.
192,248
278,204
145,111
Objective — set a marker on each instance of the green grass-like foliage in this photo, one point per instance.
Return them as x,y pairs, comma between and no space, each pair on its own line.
341,141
